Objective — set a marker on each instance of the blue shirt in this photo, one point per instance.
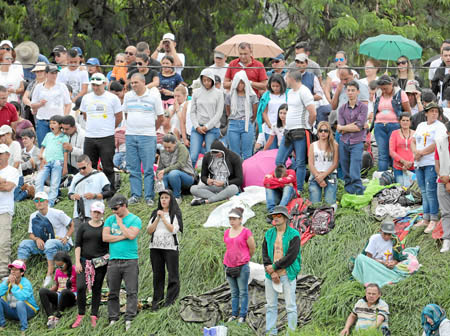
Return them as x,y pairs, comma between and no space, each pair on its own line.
127,248
53,144
169,83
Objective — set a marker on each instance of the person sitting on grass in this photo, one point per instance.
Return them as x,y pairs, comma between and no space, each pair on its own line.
281,187
435,321
17,302
369,312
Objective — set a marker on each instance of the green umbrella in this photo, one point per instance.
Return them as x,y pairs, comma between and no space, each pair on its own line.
390,47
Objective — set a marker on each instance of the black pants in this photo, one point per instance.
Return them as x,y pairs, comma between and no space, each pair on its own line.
54,306
102,148
161,259
96,290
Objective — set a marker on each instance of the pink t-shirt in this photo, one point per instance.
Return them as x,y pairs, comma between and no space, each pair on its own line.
386,112
237,252
400,148
61,279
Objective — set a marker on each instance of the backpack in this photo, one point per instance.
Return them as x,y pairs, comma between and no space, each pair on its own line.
42,228
322,220
300,216
387,178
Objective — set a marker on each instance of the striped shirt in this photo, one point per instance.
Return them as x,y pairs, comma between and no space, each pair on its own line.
367,316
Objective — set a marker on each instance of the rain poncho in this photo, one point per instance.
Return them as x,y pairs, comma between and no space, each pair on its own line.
242,76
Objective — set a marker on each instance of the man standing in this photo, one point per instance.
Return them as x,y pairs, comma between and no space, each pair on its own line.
441,79
220,66
304,48
130,55
352,118
308,78
256,73
8,112
144,115
437,63
167,47
87,186
72,75
75,145
9,179
278,66
282,263
50,231
120,231
340,96
59,54
103,113
144,48
299,120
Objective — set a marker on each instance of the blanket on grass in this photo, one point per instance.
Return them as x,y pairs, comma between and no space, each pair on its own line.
359,201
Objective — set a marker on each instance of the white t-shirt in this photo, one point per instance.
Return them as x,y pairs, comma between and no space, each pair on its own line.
162,237
59,220
219,72
297,115
15,154
11,80
447,112
179,70
433,67
142,112
100,114
365,81
93,184
74,78
426,135
377,247
272,110
57,96
335,80
10,174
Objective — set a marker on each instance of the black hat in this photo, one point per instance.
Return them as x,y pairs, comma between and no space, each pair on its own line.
51,68
117,199
58,49
279,209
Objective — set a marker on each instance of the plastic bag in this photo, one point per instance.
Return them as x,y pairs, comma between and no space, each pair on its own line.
215,331
159,186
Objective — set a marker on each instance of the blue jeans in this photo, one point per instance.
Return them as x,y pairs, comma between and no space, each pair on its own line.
241,142
197,142
426,178
272,304
22,313
279,196
28,247
54,169
119,160
239,292
42,128
401,178
315,190
299,146
141,149
20,195
337,137
382,135
176,179
350,157
274,144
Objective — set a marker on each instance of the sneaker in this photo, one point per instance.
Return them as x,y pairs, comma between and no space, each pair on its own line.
197,201
241,320
55,322
127,325
94,321
47,281
50,324
77,322
430,227
445,246
232,318
150,202
179,200
112,322
420,223
133,200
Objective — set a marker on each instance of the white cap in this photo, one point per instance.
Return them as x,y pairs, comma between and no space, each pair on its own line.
98,206
98,78
5,129
168,36
8,42
41,194
301,57
4,149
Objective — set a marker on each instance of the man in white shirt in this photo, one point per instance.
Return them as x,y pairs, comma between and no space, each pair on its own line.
437,62
103,113
75,145
144,115
167,48
219,68
299,120
75,77
45,242
9,179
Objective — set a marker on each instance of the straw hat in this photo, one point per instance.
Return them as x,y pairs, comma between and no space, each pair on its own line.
27,54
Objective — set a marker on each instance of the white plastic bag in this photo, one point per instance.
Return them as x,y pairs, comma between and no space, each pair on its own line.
159,186
215,331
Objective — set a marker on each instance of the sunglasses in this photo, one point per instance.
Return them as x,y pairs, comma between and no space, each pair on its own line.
116,207
342,59
140,63
8,58
6,48
57,54
96,79
277,215
82,168
120,61
402,62
129,53
39,200
275,61
324,131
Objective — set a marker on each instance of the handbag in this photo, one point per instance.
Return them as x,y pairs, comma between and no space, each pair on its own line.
100,261
233,272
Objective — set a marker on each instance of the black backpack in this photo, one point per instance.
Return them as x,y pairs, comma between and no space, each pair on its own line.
42,228
322,220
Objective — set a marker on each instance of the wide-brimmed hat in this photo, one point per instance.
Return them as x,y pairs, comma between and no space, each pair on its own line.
39,66
388,227
432,105
27,54
279,209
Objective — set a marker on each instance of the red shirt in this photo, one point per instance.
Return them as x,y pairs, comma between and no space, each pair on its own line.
436,157
254,75
8,114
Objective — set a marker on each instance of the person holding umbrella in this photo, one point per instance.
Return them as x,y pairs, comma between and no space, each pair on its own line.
405,73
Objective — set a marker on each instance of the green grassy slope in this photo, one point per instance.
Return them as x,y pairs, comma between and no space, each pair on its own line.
201,269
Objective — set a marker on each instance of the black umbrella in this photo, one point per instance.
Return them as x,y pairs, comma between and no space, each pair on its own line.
432,59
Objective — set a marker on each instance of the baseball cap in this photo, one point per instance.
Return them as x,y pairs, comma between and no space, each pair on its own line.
7,42
168,36
93,61
98,206
19,264
388,228
218,54
5,129
301,57
98,78
411,86
78,50
39,66
4,149
59,48
117,199
279,57
41,194
51,68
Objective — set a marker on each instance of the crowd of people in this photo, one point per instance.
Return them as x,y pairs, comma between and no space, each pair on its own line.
71,124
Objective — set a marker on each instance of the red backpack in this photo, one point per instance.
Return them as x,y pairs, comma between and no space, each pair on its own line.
300,217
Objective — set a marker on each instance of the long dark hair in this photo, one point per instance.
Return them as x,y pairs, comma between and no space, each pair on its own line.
278,79
65,258
279,121
174,209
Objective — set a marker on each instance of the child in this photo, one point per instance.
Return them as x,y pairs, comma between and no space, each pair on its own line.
63,293
119,158
53,159
278,130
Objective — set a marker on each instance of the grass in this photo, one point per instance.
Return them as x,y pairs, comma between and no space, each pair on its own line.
201,256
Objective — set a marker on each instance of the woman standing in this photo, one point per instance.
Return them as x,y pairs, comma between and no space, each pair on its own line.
63,294
91,262
9,78
150,74
323,159
435,321
168,80
400,150
240,248
333,79
387,109
165,222
39,71
405,73
371,71
423,146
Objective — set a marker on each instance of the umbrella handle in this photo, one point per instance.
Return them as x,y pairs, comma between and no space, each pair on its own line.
387,67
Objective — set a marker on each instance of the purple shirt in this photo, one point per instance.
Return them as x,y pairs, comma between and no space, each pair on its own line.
348,115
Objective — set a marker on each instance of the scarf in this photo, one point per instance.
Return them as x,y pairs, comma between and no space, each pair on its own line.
444,155
437,314
238,77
